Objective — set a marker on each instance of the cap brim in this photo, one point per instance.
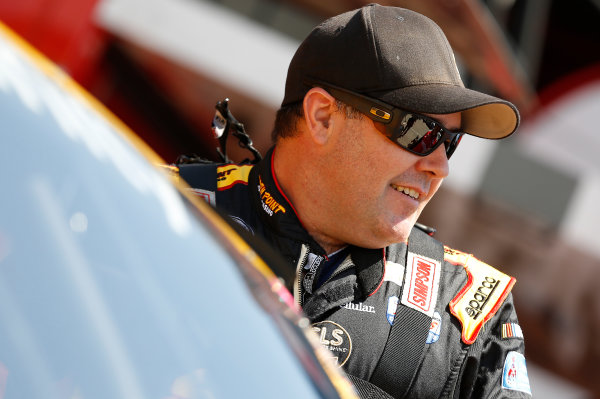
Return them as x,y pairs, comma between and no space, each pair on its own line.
483,115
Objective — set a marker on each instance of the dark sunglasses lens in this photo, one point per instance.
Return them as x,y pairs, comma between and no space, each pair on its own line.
420,136
452,143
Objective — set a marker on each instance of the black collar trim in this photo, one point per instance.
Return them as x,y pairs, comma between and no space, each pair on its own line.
274,208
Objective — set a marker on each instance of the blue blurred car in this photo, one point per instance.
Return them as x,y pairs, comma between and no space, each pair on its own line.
113,282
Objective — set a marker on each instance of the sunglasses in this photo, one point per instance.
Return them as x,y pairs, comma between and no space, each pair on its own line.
413,132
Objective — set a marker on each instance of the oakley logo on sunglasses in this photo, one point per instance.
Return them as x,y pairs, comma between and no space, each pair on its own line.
380,113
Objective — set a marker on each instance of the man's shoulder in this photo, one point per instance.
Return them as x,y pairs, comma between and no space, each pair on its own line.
219,176
480,298
470,289
211,180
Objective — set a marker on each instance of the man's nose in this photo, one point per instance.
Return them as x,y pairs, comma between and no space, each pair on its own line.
435,163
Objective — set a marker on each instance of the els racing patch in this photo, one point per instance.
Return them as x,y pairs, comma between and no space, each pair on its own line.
334,338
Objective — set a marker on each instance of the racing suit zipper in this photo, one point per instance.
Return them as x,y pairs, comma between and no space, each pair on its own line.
304,251
345,265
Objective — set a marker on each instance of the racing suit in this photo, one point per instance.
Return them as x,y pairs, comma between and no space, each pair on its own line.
353,308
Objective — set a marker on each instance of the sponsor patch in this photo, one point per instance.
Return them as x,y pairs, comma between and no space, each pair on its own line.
392,306
481,297
435,328
421,283
230,175
360,306
394,272
511,330
514,375
269,204
208,196
335,338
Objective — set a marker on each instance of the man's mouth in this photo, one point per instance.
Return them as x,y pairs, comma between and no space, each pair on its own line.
408,191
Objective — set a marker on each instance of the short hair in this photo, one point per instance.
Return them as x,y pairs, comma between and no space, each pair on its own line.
288,116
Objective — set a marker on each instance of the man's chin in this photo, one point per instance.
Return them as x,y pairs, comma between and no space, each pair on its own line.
393,237
401,231
381,238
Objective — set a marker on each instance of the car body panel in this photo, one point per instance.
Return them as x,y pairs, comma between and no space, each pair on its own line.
113,283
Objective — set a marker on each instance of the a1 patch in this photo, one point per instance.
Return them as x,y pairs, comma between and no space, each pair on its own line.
335,338
514,375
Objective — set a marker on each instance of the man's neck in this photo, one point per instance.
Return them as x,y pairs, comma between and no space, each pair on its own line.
296,179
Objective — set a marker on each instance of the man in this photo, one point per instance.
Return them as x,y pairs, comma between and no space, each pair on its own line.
373,109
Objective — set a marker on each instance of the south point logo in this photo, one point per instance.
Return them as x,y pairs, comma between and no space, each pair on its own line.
269,204
333,337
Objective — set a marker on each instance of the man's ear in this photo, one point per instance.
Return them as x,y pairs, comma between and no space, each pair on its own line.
319,107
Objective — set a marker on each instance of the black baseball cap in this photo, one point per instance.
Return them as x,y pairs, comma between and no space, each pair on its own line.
399,57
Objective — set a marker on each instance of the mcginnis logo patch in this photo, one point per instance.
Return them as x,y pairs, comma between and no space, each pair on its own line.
269,204
335,338
230,175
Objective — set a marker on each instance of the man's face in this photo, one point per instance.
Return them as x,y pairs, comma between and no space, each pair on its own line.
375,189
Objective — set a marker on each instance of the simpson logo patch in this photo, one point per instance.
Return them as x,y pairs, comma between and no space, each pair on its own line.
335,338
421,283
230,175
208,196
481,297
514,374
269,204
